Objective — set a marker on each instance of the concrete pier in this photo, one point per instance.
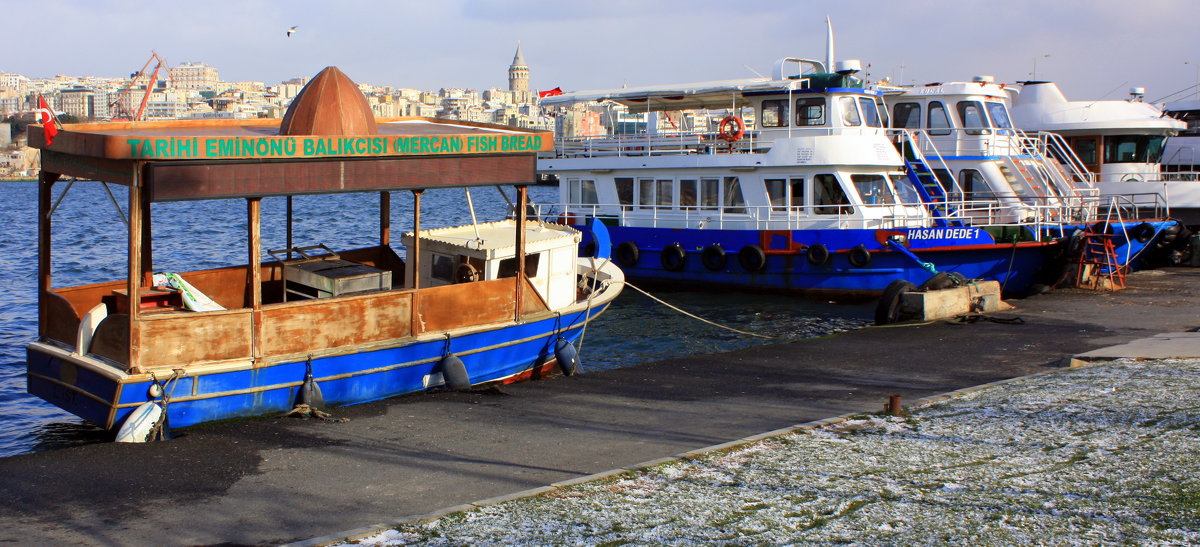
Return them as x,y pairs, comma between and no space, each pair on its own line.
273,480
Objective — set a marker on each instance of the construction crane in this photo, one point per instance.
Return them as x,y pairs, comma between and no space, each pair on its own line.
123,106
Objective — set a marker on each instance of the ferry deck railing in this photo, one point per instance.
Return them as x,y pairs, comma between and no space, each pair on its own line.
753,141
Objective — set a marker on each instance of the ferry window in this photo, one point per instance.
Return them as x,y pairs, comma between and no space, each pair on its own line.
869,111
624,192
733,200
582,192
1085,149
904,190
906,116
508,266
710,193
665,191
646,193
687,192
849,111
973,118
1133,149
785,193
938,122
810,111
999,116
774,113
829,197
873,189
975,187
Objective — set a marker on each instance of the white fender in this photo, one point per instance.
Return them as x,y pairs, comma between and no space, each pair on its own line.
139,423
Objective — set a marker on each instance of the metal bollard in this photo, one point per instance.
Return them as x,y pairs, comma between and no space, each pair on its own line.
893,406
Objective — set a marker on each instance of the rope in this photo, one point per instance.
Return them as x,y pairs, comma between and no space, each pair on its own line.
693,316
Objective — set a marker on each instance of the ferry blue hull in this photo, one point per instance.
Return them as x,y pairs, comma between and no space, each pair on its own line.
969,251
514,352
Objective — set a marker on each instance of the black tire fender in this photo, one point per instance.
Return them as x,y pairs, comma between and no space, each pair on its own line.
626,254
714,257
817,254
889,310
752,258
673,257
860,257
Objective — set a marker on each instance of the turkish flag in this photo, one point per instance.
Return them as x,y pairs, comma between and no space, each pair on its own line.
46,118
550,93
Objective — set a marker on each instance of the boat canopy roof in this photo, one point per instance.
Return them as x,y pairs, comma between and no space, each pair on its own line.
328,142
706,95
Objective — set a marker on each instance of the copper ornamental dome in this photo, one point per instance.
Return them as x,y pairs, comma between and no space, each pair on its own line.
331,104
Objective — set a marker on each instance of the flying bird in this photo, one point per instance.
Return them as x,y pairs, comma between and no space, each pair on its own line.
292,31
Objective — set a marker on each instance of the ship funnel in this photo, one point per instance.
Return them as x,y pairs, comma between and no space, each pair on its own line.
984,79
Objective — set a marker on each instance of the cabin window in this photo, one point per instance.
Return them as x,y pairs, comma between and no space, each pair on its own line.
666,193
873,189
687,192
904,190
906,116
624,192
869,111
938,122
646,193
785,193
582,192
810,111
999,115
508,266
974,121
774,113
733,200
829,197
710,193
975,187
1133,149
1085,149
443,267
849,112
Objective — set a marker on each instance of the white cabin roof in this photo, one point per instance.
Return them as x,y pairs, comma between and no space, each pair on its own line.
496,239
689,96
1041,106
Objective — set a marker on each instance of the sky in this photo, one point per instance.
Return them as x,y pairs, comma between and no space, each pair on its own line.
1094,49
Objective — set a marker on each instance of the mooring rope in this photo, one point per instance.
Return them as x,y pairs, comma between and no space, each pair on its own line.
696,317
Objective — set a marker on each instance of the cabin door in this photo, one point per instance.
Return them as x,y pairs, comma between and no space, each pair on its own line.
1088,150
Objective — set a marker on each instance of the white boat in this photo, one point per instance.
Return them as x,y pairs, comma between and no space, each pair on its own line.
1120,141
786,183
1181,154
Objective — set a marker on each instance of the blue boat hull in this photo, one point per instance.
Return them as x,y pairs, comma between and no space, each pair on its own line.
788,267
503,354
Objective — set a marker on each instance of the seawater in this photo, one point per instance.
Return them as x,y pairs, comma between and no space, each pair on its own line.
89,242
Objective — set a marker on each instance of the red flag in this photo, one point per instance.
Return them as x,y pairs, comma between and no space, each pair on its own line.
550,93
46,118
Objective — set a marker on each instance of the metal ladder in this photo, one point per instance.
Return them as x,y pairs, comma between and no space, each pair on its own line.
921,175
1097,266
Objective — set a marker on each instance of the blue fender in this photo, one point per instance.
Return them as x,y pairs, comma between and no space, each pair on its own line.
566,355
601,237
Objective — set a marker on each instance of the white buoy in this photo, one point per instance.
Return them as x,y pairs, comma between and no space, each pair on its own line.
140,423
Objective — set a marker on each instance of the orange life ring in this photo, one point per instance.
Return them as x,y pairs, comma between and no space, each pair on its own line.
727,133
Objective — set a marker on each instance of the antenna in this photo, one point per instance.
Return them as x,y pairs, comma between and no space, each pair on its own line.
751,69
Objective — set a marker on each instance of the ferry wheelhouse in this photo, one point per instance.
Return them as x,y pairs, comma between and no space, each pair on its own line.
798,188
460,306
994,172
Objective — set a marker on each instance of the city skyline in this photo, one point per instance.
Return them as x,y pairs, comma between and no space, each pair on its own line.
1094,48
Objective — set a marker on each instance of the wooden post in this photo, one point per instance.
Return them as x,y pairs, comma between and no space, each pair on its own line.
45,198
134,272
147,242
414,259
518,294
254,276
385,218
289,229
